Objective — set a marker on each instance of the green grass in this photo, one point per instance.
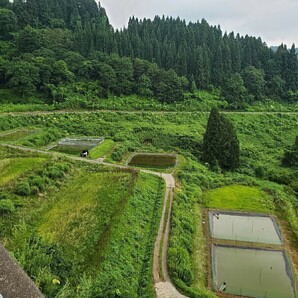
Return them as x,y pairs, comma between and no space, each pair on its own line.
104,149
11,168
127,267
238,197
82,211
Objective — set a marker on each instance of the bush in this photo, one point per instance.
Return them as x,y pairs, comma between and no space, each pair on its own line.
6,206
38,182
23,188
120,151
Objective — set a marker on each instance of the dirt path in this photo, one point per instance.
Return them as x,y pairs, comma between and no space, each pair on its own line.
32,113
163,286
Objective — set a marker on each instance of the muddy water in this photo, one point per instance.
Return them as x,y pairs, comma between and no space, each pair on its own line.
244,228
252,272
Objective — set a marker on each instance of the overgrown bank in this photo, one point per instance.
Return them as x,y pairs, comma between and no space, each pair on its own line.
70,223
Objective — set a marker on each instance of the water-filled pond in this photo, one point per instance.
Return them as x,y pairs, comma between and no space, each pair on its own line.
252,272
153,160
244,227
76,145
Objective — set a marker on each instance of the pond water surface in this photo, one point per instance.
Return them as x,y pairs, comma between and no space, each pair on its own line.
252,272
244,227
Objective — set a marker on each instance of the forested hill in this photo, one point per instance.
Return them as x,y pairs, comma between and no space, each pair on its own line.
71,41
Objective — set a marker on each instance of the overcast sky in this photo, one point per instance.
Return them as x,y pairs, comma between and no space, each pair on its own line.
275,21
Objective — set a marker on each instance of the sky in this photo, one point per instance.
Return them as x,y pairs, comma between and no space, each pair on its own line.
275,21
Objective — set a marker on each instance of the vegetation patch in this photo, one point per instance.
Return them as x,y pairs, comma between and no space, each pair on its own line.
153,160
239,197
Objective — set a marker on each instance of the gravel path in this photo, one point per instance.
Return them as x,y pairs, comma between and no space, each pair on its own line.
167,290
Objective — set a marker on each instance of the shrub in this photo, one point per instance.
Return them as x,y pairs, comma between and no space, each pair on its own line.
23,188
55,172
6,206
38,182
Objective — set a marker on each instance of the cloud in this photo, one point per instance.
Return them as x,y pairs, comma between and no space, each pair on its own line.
275,21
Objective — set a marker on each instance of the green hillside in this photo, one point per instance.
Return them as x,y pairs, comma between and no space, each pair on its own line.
102,205
183,118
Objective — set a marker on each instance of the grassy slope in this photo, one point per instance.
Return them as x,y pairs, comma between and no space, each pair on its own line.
83,210
132,245
103,149
263,141
93,219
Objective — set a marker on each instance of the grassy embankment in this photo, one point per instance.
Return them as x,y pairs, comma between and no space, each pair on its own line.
70,222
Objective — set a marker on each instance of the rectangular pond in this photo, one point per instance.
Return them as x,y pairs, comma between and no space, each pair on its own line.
77,145
252,272
244,227
157,160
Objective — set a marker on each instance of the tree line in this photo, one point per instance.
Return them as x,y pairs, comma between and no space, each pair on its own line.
187,55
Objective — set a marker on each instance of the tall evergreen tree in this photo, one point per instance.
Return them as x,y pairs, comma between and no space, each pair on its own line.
292,76
220,144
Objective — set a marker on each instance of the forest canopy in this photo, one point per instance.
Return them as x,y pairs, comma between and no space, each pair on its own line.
50,48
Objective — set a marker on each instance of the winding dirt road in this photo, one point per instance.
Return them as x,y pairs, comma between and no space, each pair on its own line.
163,286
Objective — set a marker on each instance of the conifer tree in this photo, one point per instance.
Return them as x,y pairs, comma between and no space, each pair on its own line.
220,144
292,76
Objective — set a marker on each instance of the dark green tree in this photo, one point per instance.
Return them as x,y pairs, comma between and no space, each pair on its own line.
220,143
24,77
145,86
254,81
30,39
8,22
292,76
276,87
234,91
